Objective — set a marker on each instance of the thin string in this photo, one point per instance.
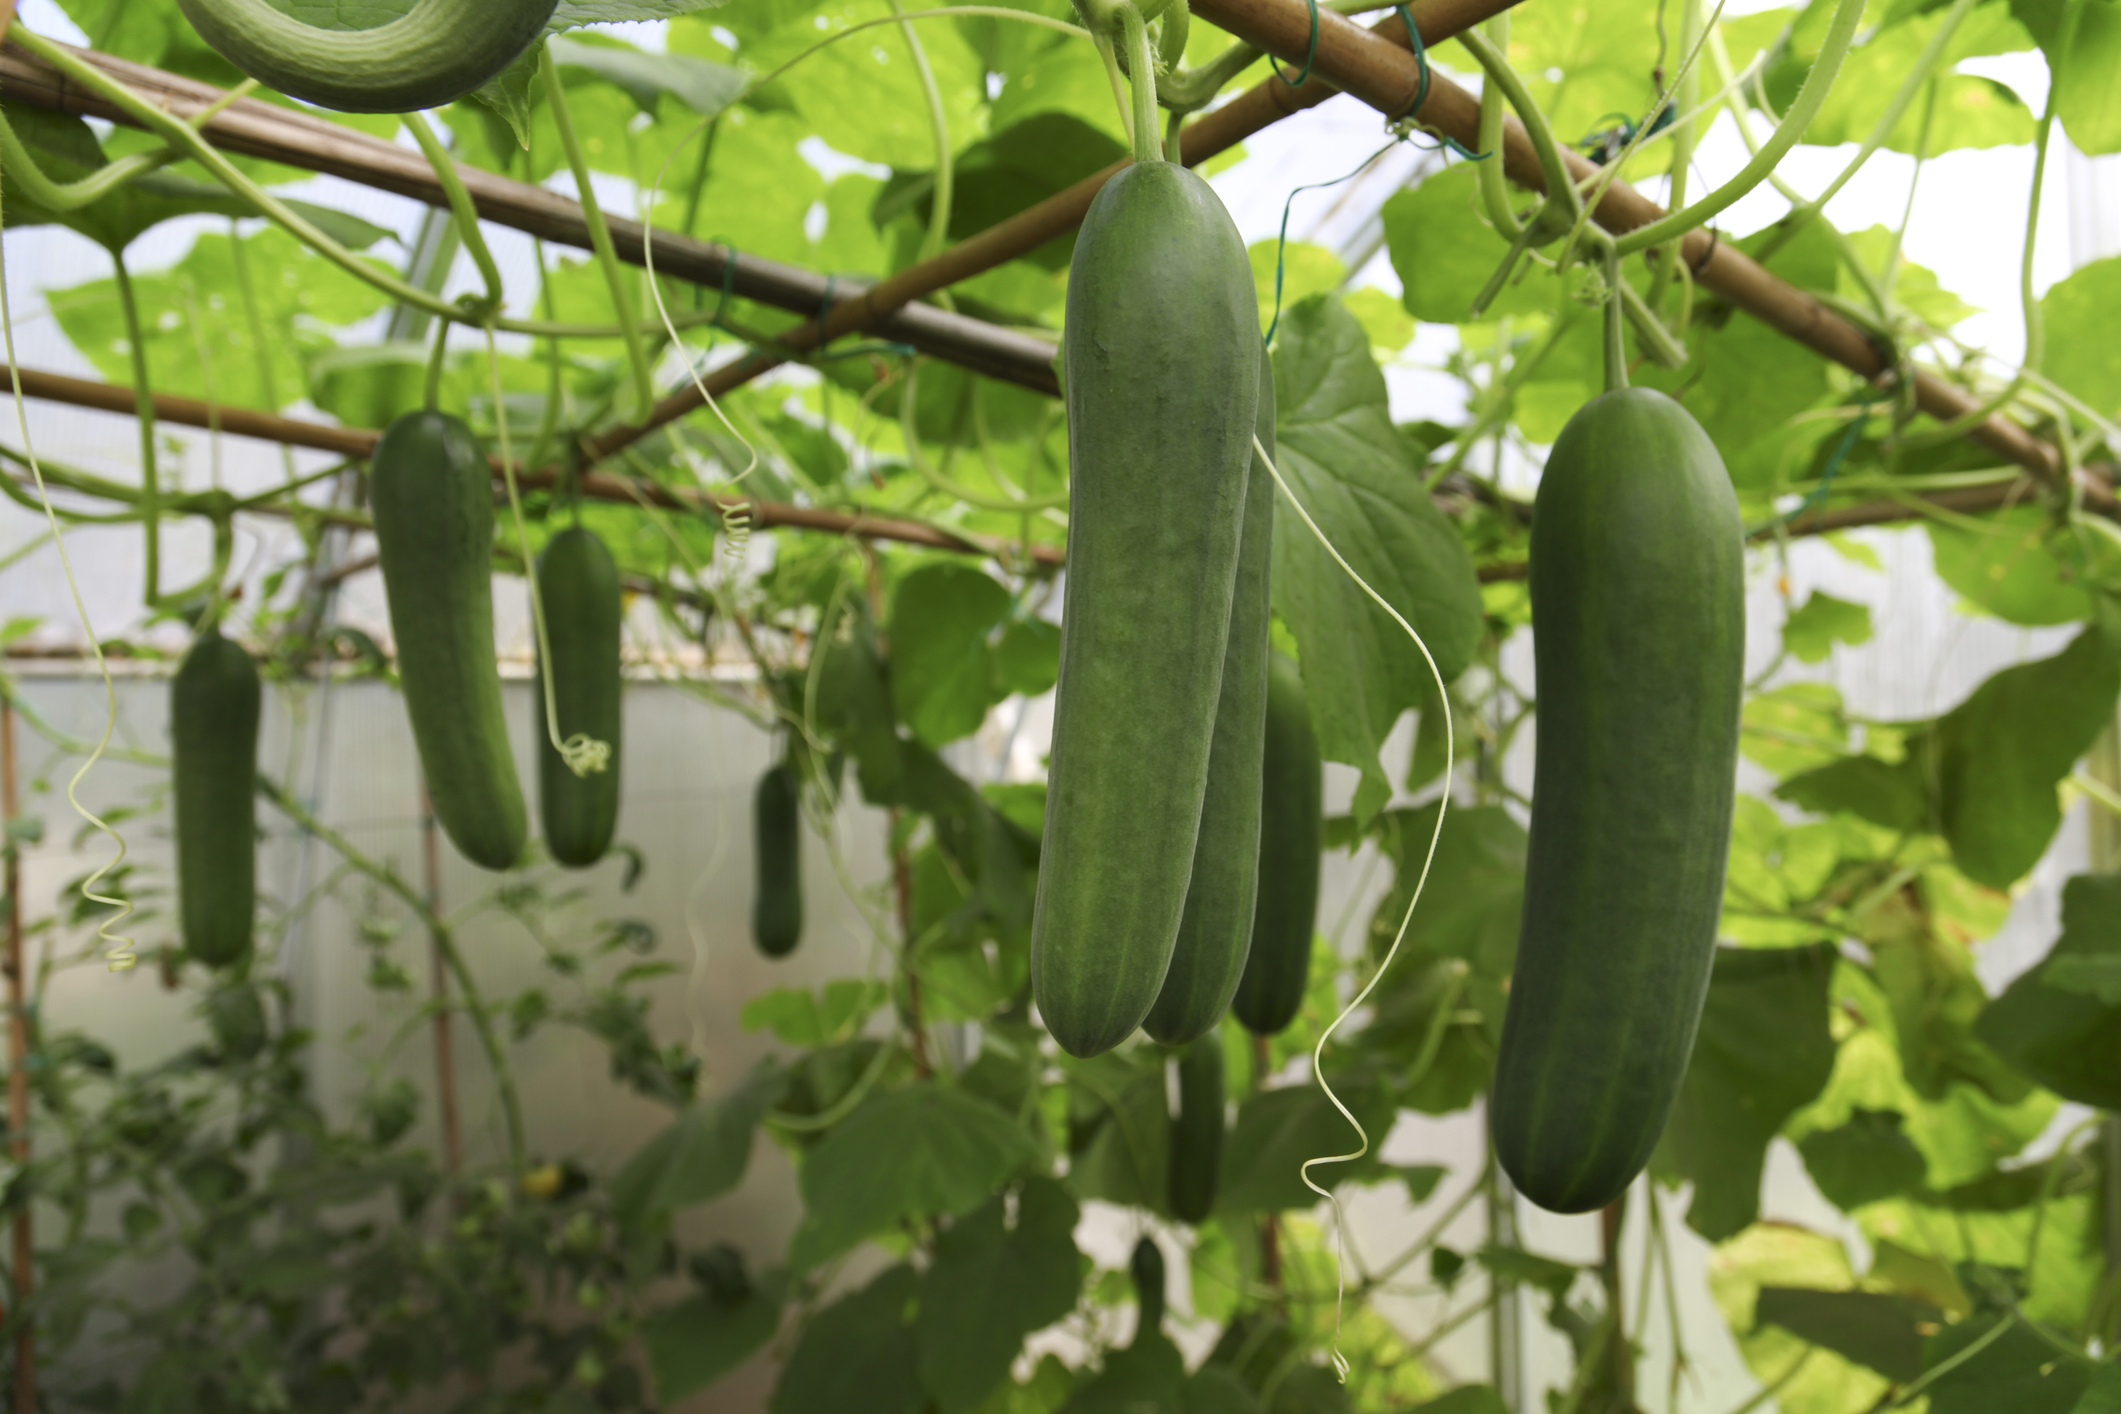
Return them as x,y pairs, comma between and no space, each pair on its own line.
1421,93
1842,448
1311,56
1281,242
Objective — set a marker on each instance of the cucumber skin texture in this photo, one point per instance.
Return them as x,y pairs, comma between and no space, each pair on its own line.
430,57
1215,932
1638,612
1197,1131
433,501
777,901
1291,846
578,583
1162,381
214,703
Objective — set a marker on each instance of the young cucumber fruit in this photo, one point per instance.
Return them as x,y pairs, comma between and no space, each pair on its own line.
578,584
1291,843
213,723
433,501
1197,1130
1162,374
1638,618
1215,931
777,902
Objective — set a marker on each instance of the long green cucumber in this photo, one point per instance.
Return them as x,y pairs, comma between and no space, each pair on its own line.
1162,374
1291,845
432,55
1215,932
578,584
1638,618
1146,1266
1197,1130
213,722
777,901
432,495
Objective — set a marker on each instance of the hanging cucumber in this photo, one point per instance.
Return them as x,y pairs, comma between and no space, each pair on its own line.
213,721
777,903
1162,374
1146,1266
1197,1130
433,54
1215,932
1291,843
578,583
433,501
1638,616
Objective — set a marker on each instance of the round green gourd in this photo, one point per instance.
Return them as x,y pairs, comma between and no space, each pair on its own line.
435,53
1215,932
1291,844
432,495
777,903
578,584
1162,375
214,702
1197,1130
1638,617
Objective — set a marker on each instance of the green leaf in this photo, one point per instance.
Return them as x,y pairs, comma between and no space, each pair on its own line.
1795,728
2059,1036
702,1154
1873,1329
942,673
1216,1389
1865,1160
1304,270
1514,1264
856,1354
1762,1053
2018,1371
1277,1131
2080,354
799,1017
1357,478
1466,1399
1027,660
2098,977
1444,252
697,1341
2103,1395
990,1286
2008,567
919,1152
703,87
1812,630
852,700
1894,795
1119,1128
1147,1375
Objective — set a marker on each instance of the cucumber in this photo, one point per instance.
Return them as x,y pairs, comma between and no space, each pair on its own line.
1162,375
777,903
1197,1130
1291,844
431,55
1215,932
433,501
1146,1266
1638,618
213,725
579,586
235,1014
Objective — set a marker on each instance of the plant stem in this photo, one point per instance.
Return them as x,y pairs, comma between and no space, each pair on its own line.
1141,65
1616,346
460,205
599,234
1840,34
18,1115
939,129
150,502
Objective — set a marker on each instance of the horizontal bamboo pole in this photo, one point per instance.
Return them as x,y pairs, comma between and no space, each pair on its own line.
254,128
1386,77
357,443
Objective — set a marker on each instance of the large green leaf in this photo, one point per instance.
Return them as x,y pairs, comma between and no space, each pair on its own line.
2017,1371
1865,1160
1278,1131
1814,627
2064,1036
1763,1052
703,87
942,670
920,1152
2081,355
697,1341
1881,1331
856,1354
1444,252
992,1284
2082,40
702,1154
1355,475
2009,566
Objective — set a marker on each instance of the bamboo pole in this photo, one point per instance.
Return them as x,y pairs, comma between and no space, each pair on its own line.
18,1069
1386,76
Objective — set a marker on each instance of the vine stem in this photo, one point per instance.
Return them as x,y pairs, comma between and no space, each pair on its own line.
1616,347
939,126
445,943
599,232
1141,65
144,413
18,1114
1841,32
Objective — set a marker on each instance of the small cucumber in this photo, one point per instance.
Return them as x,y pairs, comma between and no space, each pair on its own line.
214,703
1162,362
777,904
1197,1130
1146,1266
578,583
1215,932
432,495
1638,619
1291,843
